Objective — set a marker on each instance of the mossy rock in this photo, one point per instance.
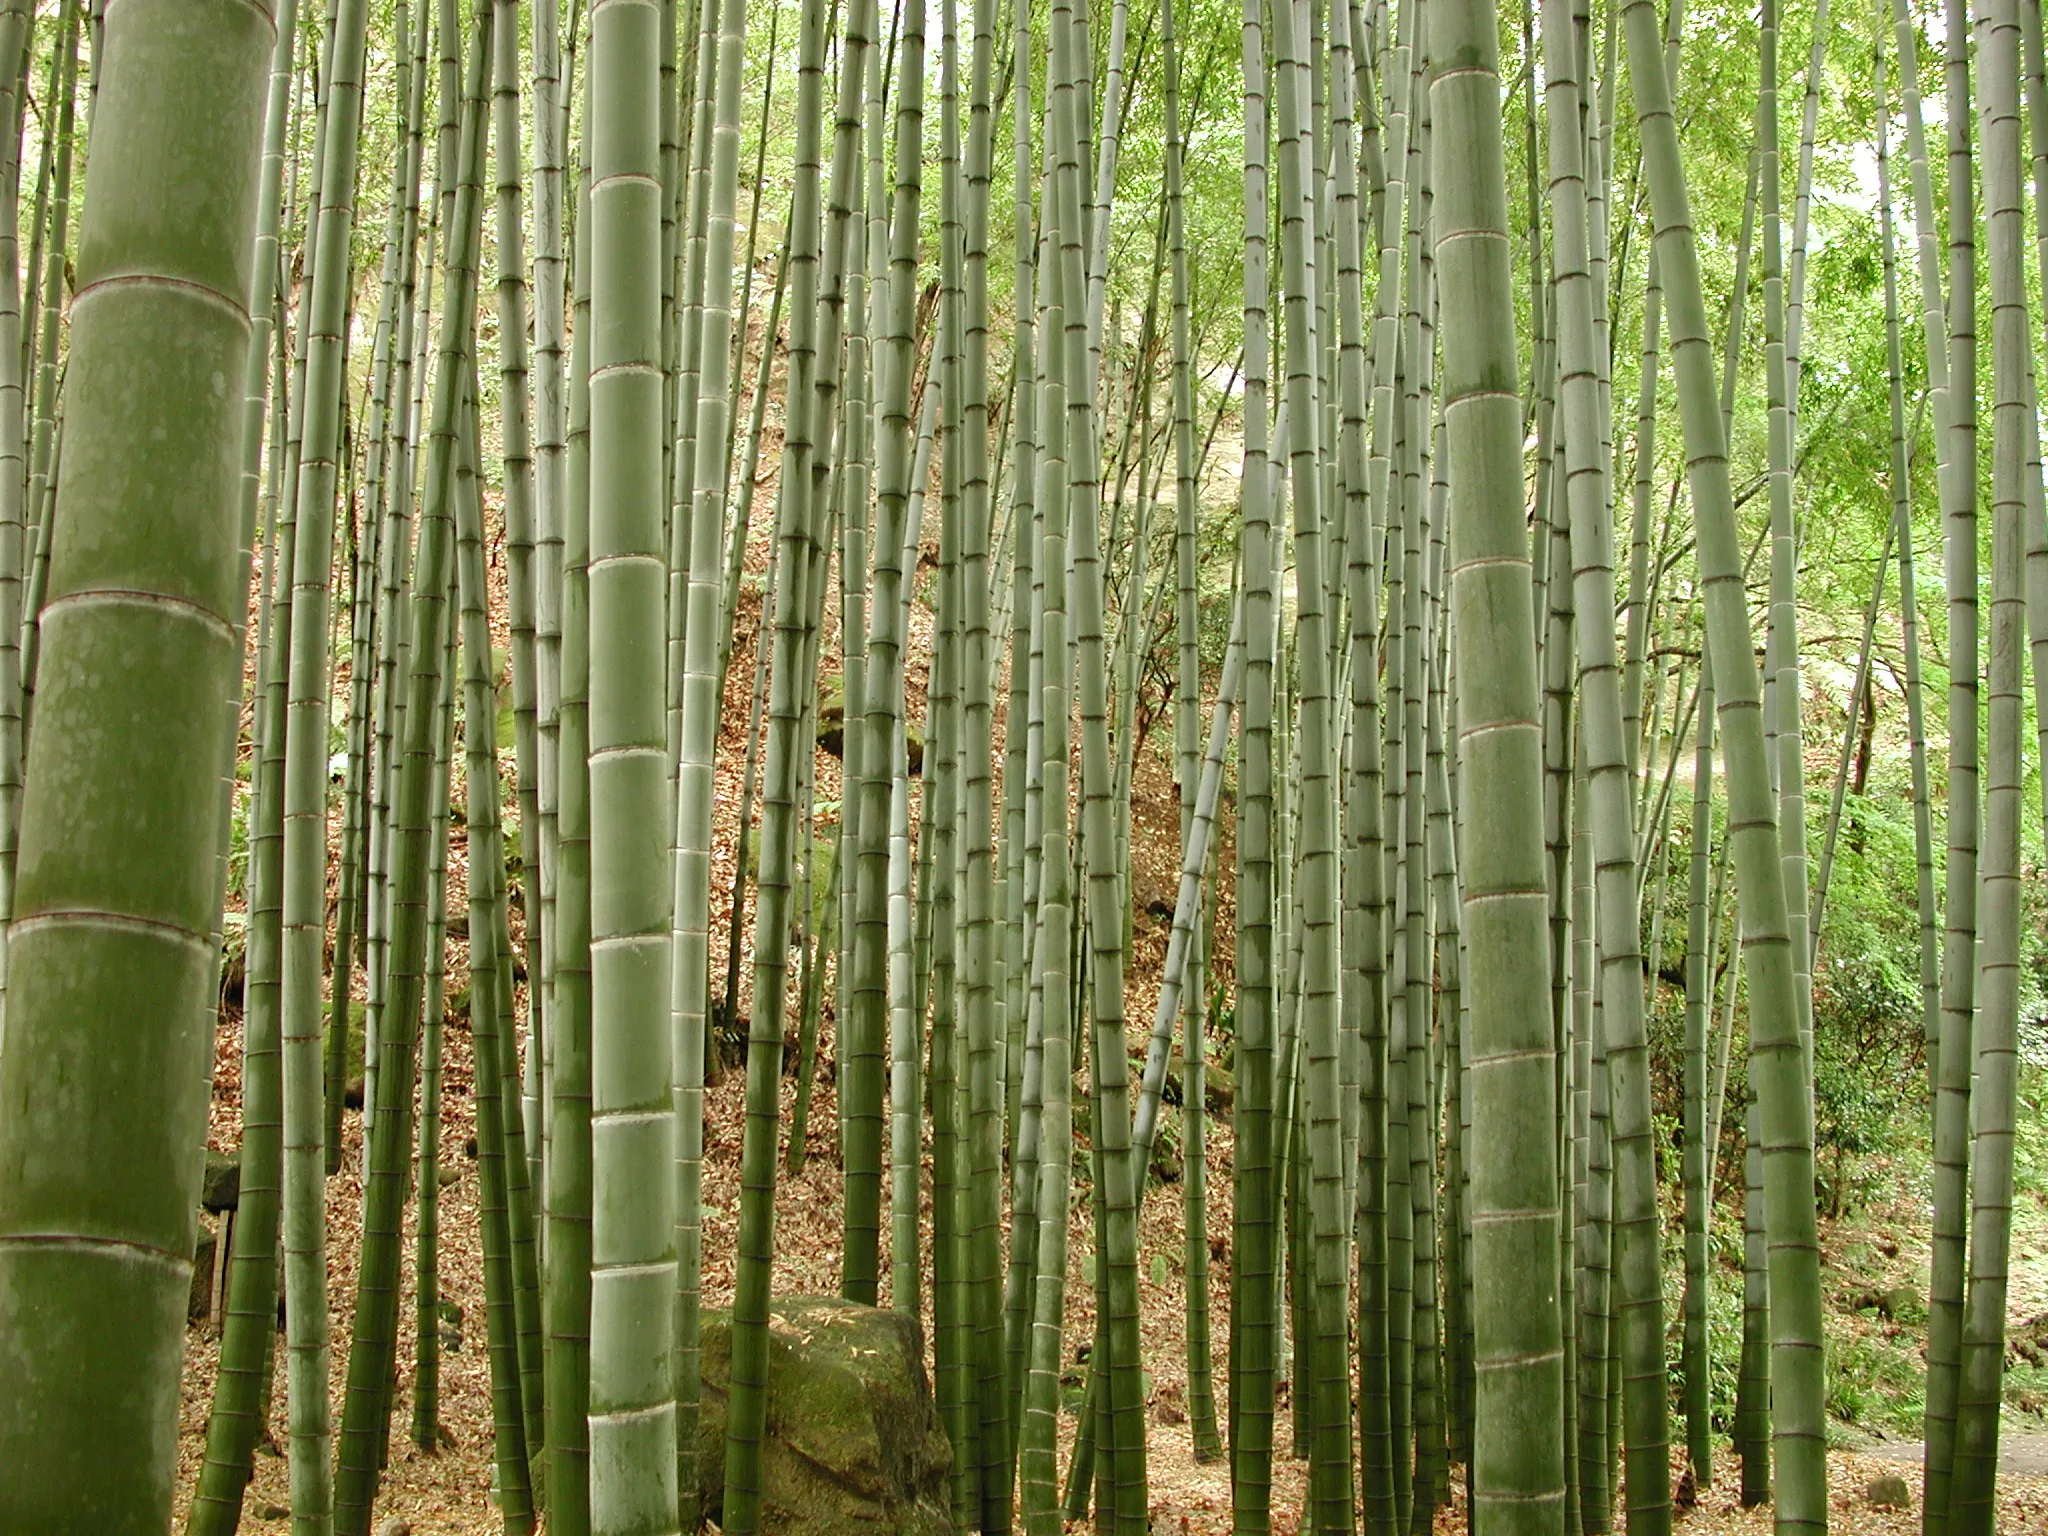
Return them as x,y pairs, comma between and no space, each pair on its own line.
234,956
1219,1083
222,1190
832,714
854,1446
832,725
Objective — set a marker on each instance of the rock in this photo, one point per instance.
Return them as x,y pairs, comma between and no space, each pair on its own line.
222,1190
1899,1301
1219,1083
273,1512
832,715
854,1446
352,1093
1889,1492
393,1526
234,965
204,1255
449,1176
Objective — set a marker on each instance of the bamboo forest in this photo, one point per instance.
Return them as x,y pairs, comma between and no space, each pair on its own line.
901,767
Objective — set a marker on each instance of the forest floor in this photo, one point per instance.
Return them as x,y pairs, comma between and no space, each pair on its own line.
1871,1262
449,1493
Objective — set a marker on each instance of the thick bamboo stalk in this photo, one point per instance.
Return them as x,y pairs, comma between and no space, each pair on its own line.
113,975
2015,506
1514,1196
633,1257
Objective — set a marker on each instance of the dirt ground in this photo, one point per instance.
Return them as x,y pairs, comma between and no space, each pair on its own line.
448,1493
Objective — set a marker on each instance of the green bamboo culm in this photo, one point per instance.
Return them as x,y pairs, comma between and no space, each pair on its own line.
1322,1330
247,1332
1637,1262
366,1408
690,938
866,985
112,972
19,18
306,727
2015,504
632,1126
789,681
1052,946
1518,1439
1778,1056
1254,1334
427,1320
499,1157
569,1177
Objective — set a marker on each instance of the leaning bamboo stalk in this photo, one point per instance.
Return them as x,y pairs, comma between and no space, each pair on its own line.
1037,1435
1859,701
505,1227
865,1018
1698,1152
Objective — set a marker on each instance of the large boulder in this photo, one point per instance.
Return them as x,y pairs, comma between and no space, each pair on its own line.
854,1446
